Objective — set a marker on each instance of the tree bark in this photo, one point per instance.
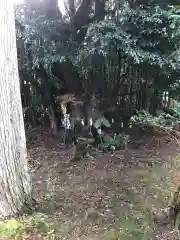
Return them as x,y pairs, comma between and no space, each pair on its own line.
15,182
72,8
99,10
51,9
52,118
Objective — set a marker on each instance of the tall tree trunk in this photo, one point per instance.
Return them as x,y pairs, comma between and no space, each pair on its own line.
15,184
51,9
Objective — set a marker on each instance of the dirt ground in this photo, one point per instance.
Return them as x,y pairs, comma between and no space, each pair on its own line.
111,197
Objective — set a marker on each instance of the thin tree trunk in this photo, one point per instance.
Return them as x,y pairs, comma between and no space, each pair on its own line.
53,119
15,183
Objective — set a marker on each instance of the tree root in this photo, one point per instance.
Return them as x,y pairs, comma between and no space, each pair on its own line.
171,214
174,208
30,206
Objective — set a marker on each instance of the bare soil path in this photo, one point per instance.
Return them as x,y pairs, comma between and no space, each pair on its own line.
111,197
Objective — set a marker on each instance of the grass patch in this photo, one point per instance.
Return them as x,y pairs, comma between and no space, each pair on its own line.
147,188
38,224
131,229
9,228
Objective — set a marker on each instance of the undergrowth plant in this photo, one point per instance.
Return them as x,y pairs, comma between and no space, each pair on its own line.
162,121
118,142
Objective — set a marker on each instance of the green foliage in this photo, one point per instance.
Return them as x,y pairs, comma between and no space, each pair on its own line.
9,228
26,226
174,18
40,222
144,119
146,38
175,90
143,36
44,45
116,143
